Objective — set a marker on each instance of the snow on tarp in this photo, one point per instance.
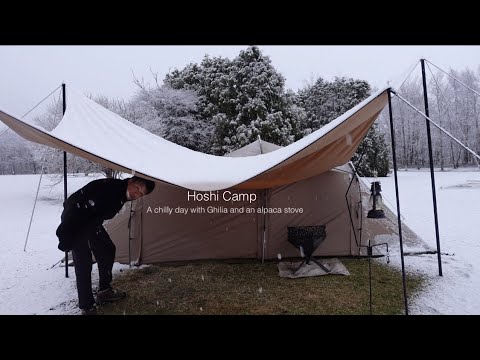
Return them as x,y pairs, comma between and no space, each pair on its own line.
95,133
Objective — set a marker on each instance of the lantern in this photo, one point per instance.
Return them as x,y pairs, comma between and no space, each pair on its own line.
376,201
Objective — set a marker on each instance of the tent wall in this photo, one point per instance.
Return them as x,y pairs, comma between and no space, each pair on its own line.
127,240
323,200
181,237
386,230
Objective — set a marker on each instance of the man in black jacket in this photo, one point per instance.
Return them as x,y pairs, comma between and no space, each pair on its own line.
82,231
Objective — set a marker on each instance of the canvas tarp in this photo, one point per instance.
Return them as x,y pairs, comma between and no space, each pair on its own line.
95,133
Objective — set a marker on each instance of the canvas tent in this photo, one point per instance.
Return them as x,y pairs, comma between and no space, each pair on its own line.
159,232
309,174
155,232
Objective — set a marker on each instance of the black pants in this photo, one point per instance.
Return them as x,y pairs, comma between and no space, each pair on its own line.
97,241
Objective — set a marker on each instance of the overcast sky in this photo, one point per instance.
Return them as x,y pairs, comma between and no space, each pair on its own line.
29,73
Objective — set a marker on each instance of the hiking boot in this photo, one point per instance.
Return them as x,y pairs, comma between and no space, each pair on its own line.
110,295
91,311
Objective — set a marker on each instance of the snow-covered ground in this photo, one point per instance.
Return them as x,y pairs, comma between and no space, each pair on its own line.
458,204
30,284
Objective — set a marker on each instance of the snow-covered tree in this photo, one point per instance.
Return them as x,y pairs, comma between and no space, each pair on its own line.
451,105
324,101
171,114
465,126
16,156
211,81
242,98
371,158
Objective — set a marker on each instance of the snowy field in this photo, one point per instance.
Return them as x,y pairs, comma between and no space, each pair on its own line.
458,204
31,284
28,283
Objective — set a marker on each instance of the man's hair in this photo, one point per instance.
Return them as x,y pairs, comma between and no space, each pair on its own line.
149,184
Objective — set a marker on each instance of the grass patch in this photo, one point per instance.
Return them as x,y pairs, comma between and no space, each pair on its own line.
252,288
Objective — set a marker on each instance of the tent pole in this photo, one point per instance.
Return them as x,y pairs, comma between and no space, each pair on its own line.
432,173
130,235
394,155
264,225
33,210
369,252
65,173
265,205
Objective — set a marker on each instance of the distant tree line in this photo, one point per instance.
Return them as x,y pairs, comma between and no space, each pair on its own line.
451,105
220,105
16,155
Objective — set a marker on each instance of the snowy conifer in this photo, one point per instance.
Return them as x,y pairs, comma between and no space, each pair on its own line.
324,101
242,98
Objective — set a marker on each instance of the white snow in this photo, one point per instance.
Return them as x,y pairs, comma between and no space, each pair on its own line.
28,282
458,199
30,285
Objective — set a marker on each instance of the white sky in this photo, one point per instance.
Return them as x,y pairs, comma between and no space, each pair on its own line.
29,73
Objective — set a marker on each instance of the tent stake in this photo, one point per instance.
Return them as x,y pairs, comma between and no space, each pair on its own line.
394,155
432,173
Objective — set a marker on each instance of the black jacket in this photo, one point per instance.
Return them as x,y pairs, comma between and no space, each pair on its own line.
89,207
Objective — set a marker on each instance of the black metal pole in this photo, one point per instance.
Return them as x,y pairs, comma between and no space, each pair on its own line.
264,191
432,173
130,235
369,252
394,155
65,173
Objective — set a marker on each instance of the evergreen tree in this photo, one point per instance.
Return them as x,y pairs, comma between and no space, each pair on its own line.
371,158
243,98
210,81
324,101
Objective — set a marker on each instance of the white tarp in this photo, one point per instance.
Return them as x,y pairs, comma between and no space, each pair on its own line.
89,130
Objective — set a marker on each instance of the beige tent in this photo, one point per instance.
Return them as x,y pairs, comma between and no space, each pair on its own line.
159,232
307,178
238,229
